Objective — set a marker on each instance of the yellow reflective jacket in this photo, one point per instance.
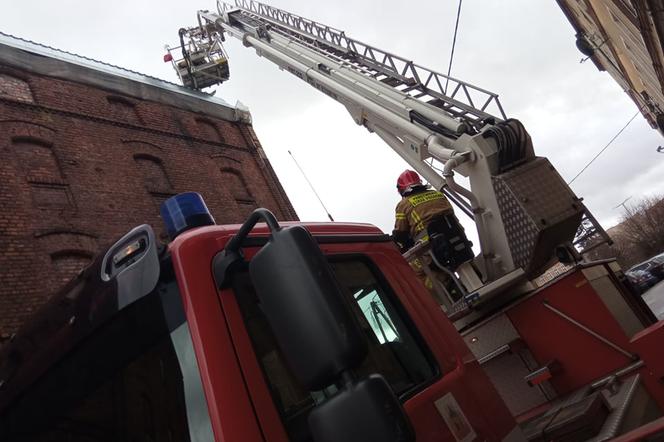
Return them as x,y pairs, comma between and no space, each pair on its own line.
416,210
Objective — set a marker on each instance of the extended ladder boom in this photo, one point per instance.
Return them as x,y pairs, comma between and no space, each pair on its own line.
396,98
436,123
453,96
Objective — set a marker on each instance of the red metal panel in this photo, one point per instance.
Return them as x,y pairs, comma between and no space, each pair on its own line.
582,357
230,409
649,344
317,229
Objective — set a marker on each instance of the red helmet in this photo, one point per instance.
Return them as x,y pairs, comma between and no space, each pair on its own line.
408,179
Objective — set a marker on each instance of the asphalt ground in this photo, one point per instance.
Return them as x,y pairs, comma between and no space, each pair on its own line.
655,299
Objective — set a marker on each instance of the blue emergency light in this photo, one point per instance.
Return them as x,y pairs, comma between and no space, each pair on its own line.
183,212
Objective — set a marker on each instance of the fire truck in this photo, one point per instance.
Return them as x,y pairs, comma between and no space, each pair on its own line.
270,331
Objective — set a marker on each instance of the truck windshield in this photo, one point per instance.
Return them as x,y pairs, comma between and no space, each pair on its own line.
135,378
395,349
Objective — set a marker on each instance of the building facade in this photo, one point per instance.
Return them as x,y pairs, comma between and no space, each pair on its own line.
625,38
88,151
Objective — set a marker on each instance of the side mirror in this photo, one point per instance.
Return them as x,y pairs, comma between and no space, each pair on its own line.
316,332
305,308
361,411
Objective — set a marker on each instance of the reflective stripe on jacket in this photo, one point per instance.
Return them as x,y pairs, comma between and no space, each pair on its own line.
416,210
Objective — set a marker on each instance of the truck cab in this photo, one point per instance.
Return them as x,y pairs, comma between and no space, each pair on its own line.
146,344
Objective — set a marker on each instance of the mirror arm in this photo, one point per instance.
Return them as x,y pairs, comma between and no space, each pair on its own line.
235,242
227,261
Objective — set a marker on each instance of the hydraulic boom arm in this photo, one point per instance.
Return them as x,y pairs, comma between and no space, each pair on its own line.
437,124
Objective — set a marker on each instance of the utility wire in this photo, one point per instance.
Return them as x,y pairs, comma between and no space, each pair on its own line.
456,28
312,186
605,147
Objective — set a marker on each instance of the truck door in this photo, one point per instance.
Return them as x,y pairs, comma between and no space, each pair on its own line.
396,350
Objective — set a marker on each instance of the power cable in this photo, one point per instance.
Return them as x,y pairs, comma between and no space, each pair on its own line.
605,147
456,28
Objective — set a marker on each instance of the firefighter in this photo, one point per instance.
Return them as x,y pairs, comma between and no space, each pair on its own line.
425,215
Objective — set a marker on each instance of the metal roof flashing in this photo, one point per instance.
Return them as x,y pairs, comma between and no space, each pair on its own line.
45,60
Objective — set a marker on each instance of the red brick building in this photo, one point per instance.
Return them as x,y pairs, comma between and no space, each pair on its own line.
88,150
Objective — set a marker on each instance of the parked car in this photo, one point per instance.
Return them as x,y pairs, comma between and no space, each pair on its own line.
657,267
640,277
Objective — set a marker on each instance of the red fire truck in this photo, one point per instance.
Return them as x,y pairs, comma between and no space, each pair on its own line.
176,343
322,331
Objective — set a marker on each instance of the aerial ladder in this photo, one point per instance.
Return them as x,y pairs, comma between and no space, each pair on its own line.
524,211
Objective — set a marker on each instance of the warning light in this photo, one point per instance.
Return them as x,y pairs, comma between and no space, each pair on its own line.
168,57
183,212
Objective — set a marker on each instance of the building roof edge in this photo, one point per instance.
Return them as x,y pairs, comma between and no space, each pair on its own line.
79,70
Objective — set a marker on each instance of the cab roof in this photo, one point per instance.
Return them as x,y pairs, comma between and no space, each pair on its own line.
330,232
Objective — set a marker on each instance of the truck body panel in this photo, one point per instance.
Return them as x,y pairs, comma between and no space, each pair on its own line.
461,376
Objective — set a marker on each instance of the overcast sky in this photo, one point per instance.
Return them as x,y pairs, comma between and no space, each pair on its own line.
521,49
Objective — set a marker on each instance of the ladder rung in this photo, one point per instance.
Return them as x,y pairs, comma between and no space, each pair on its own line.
437,102
411,88
391,81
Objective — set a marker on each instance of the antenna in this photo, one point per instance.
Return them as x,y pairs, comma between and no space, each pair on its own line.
312,186
623,204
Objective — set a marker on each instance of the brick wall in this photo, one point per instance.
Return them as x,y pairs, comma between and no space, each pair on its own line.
80,166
